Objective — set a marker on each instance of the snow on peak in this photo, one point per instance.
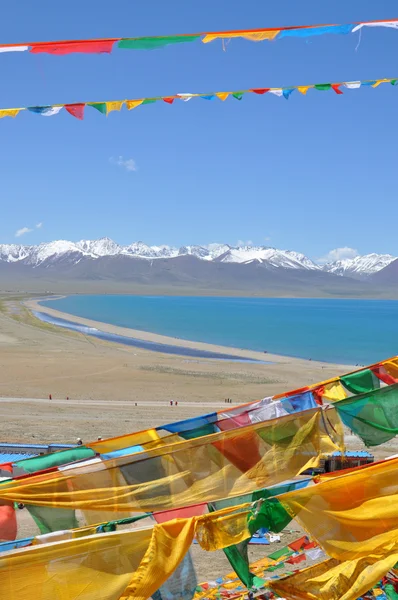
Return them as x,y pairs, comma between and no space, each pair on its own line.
198,251
102,247
45,251
360,265
271,256
50,253
144,251
13,252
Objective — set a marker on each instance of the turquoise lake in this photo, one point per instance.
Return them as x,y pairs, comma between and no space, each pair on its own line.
345,331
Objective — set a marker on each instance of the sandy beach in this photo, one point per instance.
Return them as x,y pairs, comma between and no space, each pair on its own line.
104,380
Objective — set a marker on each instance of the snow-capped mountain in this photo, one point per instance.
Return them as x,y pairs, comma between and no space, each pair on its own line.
101,247
360,266
72,253
13,252
272,256
144,251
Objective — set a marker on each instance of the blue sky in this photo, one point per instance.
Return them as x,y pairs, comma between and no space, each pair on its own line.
311,174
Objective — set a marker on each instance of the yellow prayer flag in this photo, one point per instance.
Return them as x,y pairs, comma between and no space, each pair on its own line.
222,95
149,437
254,36
334,392
110,106
133,103
379,81
351,516
336,580
391,366
220,465
9,112
304,89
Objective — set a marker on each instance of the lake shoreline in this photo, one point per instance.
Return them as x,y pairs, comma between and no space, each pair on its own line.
235,353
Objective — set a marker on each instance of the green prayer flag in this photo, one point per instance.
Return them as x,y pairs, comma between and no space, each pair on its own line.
149,101
275,567
258,582
272,518
271,515
360,382
239,559
113,525
238,95
49,519
150,43
390,592
282,552
372,416
198,432
53,519
323,86
56,459
394,81
100,106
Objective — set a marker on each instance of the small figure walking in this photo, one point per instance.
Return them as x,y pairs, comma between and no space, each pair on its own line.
171,402
50,396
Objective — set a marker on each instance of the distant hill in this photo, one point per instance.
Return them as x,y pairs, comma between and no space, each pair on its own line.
105,267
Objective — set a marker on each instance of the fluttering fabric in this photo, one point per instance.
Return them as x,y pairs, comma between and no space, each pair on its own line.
269,408
334,580
330,391
238,554
213,467
55,459
14,48
150,43
354,518
360,382
372,416
70,47
116,105
129,564
105,45
8,519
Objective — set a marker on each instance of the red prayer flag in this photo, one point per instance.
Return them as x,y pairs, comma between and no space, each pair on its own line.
243,453
382,374
294,560
62,48
196,510
234,422
168,100
310,546
298,544
8,519
76,110
260,90
317,394
336,88
297,392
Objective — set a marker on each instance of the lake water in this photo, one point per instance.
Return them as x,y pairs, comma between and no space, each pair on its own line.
345,331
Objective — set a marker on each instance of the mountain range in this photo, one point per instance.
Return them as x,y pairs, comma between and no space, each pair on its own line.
218,267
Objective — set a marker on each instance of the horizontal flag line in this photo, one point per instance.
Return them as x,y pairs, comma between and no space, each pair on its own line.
106,106
233,33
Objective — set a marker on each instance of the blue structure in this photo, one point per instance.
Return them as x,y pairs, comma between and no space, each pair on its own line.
10,453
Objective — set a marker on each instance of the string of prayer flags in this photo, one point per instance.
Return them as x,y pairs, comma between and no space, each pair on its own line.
106,45
78,109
